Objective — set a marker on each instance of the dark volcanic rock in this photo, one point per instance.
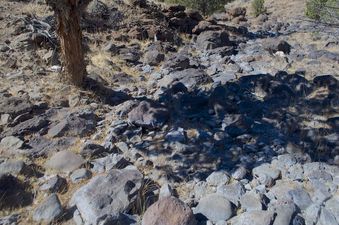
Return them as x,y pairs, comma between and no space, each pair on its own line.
212,39
91,149
148,114
39,146
75,124
14,105
30,126
191,78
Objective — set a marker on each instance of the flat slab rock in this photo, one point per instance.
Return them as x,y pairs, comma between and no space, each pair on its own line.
49,210
65,161
168,211
107,195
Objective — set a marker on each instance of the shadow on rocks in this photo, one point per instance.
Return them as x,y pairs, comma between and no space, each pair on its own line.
98,86
247,122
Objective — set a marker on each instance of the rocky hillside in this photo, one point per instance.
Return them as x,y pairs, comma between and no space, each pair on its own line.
184,120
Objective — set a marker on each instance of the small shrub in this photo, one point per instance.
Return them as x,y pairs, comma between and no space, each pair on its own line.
258,7
323,10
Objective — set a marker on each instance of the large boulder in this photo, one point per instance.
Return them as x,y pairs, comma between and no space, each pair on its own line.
106,196
212,39
215,207
168,211
65,161
148,114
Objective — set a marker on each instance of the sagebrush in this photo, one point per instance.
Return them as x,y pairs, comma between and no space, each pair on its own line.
258,7
323,10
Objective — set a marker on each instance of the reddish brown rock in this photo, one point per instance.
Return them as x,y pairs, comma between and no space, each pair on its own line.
169,211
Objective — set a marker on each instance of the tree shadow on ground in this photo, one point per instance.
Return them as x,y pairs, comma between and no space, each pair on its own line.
97,86
246,123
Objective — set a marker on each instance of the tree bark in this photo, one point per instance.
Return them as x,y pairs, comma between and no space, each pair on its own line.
68,14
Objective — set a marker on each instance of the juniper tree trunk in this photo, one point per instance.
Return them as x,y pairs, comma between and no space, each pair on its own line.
68,14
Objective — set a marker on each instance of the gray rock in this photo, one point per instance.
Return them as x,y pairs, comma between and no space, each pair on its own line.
221,223
65,161
105,164
29,126
200,190
232,192
321,195
79,175
54,184
312,214
153,57
4,119
310,168
130,55
58,129
14,105
212,39
326,218
251,201
41,146
165,191
49,210
284,212
239,173
10,220
284,161
218,178
75,124
176,136
11,143
122,146
180,61
301,198
91,149
215,207
14,167
280,191
168,211
295,172
223,77
107,195
266,169
332,206
77,218
189,77
253,218
148,114
320,175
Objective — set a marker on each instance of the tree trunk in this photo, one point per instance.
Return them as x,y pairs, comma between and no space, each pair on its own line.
68,14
